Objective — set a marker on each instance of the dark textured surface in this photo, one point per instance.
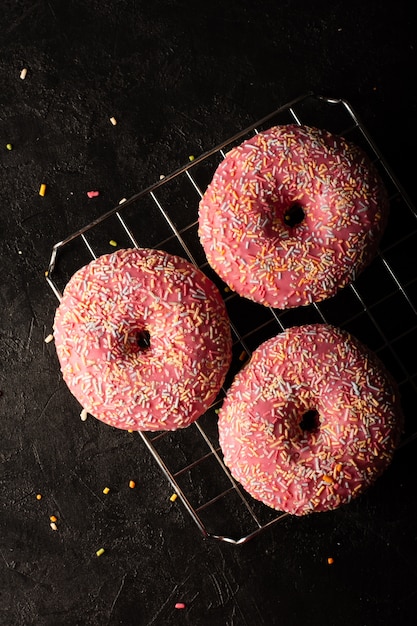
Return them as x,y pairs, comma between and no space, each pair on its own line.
179,77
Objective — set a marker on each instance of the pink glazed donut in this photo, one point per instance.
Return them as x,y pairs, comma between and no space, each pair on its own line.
143,340
311,421
292,215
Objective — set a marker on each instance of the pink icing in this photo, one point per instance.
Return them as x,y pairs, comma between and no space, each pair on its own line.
313,371
245,216
143,340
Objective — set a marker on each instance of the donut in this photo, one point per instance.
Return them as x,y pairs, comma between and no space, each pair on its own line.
292,215
143,340
311,421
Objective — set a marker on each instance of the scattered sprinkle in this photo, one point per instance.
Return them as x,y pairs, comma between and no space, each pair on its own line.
49,338
9,146
330,560
53,526
132,484
23,73
173,497
100,552
112,242
122,200
113,121
191,157
180,605
84,415
243,355
42,189
39,496
53,518
161,177
93,194
106,490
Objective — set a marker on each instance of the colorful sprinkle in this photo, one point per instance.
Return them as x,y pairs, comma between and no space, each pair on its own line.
42,189
93,194
173,497
113,121
132,484
84,415
9,146
180,605
23,73
106,490
330,560
53,526
53,518
113,243
39,496
100,552
49,338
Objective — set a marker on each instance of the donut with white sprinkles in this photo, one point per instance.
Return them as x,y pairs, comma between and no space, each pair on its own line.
143,340
311,421
292,215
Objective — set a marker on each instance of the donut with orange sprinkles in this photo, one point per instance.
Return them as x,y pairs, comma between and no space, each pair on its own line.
143,340
311,421
292,215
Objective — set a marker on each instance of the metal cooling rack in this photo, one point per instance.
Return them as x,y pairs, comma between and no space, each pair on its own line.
379,307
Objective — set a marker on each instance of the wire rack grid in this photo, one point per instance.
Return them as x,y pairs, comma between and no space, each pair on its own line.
379,307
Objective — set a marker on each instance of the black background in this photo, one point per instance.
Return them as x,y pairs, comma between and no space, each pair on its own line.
179,77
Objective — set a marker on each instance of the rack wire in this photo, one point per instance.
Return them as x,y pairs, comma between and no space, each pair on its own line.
379,307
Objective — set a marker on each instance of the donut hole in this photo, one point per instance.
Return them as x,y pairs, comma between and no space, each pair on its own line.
310,421
143,340
137,340
294,215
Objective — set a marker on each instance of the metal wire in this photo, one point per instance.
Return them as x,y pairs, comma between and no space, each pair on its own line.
252,517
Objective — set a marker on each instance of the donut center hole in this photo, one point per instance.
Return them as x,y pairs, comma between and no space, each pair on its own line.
294,215
310,421
143,340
